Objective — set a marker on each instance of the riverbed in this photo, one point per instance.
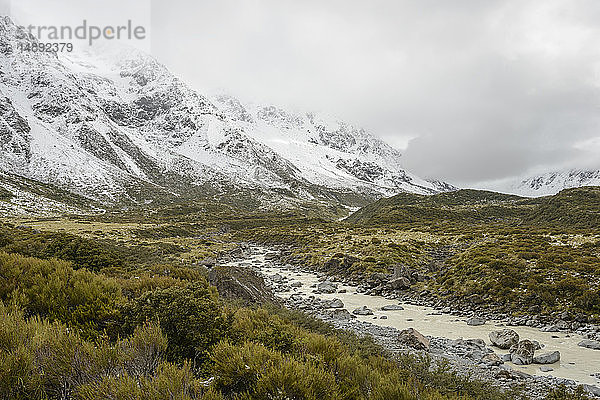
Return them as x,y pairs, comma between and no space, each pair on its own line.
576,363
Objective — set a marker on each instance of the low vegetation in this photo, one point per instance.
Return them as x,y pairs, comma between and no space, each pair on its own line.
119,307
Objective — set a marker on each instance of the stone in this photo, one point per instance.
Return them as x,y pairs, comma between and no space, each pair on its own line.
550,328
475,321
383,317
522,353
504,339
335,303
543,368
327,287
364,310
547,358
399,283
492,359
296,284
277,278
392,307
590,344
413,338
595,390
506,357
341,314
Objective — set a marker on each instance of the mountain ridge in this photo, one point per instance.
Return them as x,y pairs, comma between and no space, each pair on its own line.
104,128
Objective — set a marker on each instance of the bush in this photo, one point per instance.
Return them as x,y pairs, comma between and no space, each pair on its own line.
51,288
191,317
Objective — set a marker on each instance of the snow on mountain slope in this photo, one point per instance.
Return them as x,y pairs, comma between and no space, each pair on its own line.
105,125
553,182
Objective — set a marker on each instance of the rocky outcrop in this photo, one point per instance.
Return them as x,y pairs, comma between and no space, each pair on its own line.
504,339
241,284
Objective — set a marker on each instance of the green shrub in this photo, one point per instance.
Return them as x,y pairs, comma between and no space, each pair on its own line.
191,317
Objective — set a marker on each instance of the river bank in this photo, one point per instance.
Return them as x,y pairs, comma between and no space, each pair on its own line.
466,347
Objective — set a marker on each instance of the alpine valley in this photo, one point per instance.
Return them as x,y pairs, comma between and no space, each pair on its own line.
156,243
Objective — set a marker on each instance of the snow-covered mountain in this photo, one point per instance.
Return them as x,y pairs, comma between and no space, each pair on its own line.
553,182
119,126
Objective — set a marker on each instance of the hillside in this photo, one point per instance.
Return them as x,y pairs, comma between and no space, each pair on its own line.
119,127
570,208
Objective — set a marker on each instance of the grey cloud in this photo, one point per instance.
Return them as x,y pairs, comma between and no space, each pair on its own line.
488,90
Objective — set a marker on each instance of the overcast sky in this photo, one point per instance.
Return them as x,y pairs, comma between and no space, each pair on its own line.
473,91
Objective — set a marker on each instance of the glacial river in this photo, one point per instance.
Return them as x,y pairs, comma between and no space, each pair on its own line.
576,363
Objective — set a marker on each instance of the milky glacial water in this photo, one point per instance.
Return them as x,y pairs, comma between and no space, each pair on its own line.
576,363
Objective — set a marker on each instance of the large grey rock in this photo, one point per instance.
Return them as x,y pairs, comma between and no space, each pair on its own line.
364,310
595,390
400,283
492,359
335,303
341,314
392,307
547,358
413,338
327,287
522,353
590,344
475,321
550,328
504,339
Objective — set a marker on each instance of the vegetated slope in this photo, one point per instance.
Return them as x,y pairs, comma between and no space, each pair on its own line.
162,331
577,208
464,205
119,126
571,208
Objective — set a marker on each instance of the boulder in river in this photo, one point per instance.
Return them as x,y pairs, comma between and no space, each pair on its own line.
475,321
327,287
543,368
364,310
550,328
413,338
590,344
392,307
335,303
522,353
341,314
504,339
547,358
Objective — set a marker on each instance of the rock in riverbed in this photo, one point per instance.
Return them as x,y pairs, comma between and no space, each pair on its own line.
590,344
504,339
522,353
392,307
327,287
475,321
335,303
547,358
364,310
413,338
